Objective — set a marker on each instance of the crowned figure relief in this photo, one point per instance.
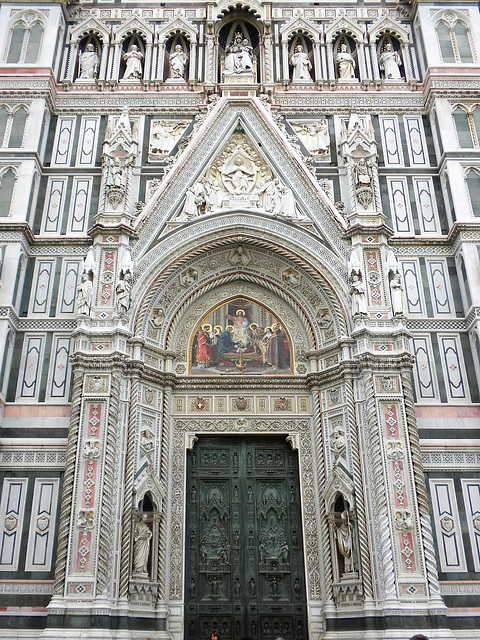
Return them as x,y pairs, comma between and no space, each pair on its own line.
239,178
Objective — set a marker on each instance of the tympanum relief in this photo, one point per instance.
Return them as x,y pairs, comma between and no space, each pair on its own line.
239,178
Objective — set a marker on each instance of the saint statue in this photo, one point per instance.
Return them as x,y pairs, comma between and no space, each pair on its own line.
115,173
390,62
239,56
346,64
178,61
123,290
89,62
396,293
301,65
133,58
357,289
344,536
84,295
141,547
363,174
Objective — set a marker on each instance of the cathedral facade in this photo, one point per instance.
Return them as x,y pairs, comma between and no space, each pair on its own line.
239,319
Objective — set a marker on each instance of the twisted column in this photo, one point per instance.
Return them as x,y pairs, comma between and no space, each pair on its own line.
107,521
420,486
364,555
68,483
320,462
379,488
128,496
164,473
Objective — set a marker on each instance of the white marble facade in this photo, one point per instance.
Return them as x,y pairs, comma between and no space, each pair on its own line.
248,222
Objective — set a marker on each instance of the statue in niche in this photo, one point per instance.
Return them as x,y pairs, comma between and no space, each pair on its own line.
89,63
346,64
338,443
363,174
314,136
123,290
141,547
301,65
239,56
344,537
133,59
359,299
390,62
115,175
84,295
178,62
396,293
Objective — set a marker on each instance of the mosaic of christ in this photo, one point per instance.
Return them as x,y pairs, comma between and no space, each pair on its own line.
240,337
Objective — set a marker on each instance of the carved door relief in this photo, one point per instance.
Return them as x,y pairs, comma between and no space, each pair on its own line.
244,556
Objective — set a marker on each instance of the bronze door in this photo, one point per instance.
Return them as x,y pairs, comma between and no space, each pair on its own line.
244,556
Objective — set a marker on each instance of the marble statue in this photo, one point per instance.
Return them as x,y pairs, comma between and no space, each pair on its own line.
84,295
301,65
115,175
357,290
178,62
346,64
194,201
141,547
344,536
239,56
123,290
396,293
89,63
133,58
390,62
363,174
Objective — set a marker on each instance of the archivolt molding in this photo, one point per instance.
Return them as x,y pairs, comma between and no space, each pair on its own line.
317,288
204,146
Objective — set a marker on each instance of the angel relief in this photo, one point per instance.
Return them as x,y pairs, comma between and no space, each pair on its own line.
240,337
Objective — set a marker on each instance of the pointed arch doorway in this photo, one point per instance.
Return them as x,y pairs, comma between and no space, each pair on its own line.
244,550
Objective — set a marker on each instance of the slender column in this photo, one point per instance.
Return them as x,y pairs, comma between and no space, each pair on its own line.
374,57
407,61
192,62
161,61
148,61
361,62
268,58
72,58
116,61
209,62
102,74
286,74
128,500
317,63
330,61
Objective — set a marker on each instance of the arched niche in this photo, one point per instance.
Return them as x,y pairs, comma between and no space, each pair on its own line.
345,43
240,336
132,44
226,35
177,42
88,66
304,41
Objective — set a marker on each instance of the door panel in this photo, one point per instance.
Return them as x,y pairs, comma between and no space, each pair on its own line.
244,556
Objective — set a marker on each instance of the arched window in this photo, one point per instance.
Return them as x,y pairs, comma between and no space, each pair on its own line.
467,123
25,42
18,128
454,41
473,184
12,126
7,184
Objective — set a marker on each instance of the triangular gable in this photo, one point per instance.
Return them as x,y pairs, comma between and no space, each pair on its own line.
260,128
